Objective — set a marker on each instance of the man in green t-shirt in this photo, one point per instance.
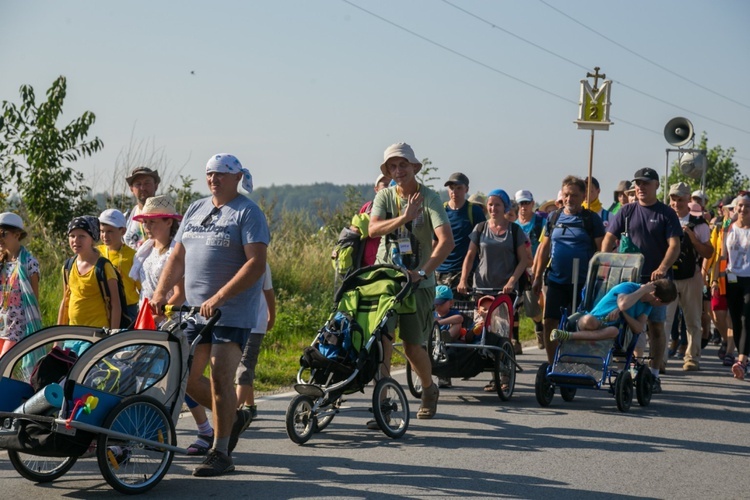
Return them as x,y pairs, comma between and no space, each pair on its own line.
409,216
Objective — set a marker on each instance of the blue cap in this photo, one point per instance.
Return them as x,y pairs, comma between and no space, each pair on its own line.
442,294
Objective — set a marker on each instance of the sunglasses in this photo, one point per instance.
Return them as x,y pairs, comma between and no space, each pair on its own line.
524,202
210,217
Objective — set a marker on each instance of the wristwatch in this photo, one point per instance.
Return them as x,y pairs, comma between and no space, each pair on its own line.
422,274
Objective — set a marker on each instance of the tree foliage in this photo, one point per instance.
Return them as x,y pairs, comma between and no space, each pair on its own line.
723,174
427,173
35,156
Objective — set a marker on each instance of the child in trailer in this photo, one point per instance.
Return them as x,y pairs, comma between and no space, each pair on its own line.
631,300
449,319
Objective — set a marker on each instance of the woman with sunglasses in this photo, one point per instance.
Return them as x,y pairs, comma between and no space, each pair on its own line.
737,246
19,278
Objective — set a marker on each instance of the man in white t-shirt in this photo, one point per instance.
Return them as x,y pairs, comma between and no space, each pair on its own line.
246,369
694,246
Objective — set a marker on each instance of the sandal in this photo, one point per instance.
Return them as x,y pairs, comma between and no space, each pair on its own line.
198,449
429,402
490,387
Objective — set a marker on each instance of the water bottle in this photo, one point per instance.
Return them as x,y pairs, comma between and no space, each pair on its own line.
396,257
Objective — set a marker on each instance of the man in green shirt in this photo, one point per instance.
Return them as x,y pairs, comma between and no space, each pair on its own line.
408,216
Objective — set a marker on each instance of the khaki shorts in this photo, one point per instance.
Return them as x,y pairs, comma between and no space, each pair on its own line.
415,328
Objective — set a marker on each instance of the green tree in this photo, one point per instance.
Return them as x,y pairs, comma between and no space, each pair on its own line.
184,195
427,173
35,155
723,174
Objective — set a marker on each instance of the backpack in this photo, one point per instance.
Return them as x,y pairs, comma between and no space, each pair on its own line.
113,376
347,252
335,338
52,367
101,278
470,208
684,266
586,217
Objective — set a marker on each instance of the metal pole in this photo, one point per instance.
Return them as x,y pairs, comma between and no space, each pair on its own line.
591,170
666,179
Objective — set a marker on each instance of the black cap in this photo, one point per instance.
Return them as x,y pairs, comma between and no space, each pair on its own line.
646,174
457,178
142,171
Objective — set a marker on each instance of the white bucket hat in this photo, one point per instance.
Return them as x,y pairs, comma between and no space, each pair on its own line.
399,150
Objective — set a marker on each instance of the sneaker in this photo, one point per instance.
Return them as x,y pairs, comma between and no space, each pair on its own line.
722,352
215,464
373,424
559,335
656,386
728,360
690,366
444,383
244,417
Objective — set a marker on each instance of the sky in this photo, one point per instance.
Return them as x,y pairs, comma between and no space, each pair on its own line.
305,91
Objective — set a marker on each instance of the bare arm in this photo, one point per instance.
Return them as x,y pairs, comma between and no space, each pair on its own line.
380,227
471,254
607,244
34,279
670,256
115,309
248,274
636,325
178,298
627,300
542,256
441,250
271,303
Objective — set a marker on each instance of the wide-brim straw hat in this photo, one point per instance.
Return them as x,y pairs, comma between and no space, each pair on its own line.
158,207
547,205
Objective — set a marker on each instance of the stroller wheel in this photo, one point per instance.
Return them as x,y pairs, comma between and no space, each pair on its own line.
129,466
568,393
644,381
435,346
390,407
543,388
40,469
505,371
415,384
300,421
624,390
326,414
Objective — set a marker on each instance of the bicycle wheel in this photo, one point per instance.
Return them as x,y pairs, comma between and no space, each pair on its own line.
543,388
300,421
414,382
435,345
505,371
40,469
129,466
390,407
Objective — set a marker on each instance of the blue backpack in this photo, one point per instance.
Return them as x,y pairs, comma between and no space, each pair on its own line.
335,338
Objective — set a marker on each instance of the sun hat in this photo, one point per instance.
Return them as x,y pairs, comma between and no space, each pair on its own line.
442,294
142,171
699,194
478,198
547,205
485,298
399,150
457,178
112,217
9,219
623,187
380,178
524,195
158,207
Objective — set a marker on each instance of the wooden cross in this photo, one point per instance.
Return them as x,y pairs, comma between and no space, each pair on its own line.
596,75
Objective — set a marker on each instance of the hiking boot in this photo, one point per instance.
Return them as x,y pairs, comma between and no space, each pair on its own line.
690,366
241,423
429,402
444,383
215,464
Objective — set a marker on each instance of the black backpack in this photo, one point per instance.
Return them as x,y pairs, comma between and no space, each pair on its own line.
684,266
52,367
101,278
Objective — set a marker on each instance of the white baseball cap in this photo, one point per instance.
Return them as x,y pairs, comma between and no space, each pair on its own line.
524,195
112,217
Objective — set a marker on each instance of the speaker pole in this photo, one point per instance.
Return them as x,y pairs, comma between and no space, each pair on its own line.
665,188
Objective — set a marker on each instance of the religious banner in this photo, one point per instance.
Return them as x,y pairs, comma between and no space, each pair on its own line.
593,105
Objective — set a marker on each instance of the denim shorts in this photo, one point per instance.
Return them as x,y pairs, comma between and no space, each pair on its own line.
658,314
218,334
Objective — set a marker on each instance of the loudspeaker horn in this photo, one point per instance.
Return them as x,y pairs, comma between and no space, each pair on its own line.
693,165
678,131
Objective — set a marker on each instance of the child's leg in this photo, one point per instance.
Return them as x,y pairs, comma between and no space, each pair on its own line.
5,345
608,332
455,331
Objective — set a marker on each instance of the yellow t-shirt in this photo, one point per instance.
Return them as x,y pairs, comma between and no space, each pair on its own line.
86,306
123,261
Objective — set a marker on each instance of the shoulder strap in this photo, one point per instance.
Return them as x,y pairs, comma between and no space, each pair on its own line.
67,267
552,219
470,206
101,278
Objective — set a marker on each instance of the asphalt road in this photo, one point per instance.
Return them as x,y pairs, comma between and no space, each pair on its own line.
691,442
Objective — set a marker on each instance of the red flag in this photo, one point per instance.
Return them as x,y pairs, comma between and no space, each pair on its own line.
145,320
